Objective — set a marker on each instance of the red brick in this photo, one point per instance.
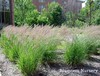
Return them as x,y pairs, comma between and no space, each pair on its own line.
72,5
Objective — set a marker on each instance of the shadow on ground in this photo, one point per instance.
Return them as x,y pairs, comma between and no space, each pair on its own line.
90,68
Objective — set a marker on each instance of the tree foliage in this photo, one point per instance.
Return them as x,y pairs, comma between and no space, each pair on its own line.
55,14
25,12
91,13
22,10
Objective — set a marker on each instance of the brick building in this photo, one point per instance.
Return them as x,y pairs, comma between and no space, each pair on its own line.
68,5
6,12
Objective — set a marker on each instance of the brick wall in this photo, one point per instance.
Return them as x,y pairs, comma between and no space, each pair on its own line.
68,5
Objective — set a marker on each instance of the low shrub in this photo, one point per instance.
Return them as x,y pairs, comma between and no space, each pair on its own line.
79,23
70,21
55,14
96,18
42,20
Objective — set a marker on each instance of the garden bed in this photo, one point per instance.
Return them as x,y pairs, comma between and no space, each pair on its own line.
92,67
47,51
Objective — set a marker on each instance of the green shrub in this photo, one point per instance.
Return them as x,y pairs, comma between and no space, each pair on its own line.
70,19
55,14
32,17
42,20
76,51
23,12
96,18
82,16
79,23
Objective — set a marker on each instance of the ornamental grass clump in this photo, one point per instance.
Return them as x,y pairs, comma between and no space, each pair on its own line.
93,45
50,49
76,51
31,57
35,53
28,50
11,46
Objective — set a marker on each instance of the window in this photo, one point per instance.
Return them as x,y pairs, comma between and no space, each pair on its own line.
0,5
6,4
54,0
41,7
64,2
41,0
4,11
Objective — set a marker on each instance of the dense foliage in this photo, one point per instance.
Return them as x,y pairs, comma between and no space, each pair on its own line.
55,14
90,13
25,13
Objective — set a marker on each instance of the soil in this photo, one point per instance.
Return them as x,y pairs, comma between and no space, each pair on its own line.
7,68
91,67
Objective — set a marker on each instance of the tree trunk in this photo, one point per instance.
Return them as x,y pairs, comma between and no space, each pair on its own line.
12,12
